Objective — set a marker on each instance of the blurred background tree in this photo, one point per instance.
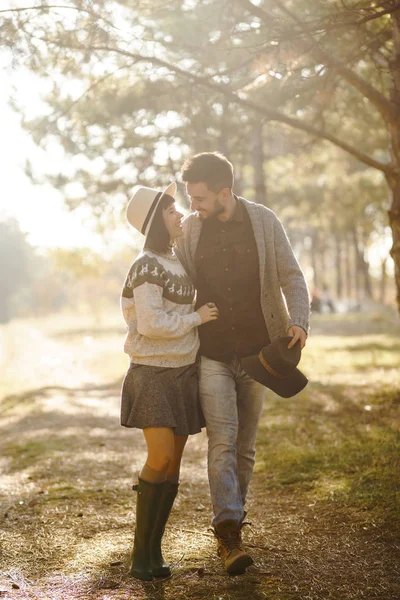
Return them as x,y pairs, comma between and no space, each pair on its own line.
75,280
16,260
303,98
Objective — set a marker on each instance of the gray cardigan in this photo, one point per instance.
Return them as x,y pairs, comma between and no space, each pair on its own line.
284,295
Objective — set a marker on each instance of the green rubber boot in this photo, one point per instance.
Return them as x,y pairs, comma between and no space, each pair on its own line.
168,494
146,510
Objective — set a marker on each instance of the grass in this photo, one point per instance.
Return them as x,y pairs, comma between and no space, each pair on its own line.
339,442
352,462
324,498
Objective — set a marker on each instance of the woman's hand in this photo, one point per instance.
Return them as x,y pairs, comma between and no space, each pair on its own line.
208,312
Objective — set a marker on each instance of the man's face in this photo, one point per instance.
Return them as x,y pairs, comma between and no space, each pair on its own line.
204,201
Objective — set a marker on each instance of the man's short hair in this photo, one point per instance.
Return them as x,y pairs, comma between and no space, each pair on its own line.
211,168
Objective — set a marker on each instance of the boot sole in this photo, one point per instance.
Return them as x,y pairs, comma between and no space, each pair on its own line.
165,572
239,566
142,575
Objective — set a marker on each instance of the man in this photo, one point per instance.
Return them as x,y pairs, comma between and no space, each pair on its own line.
240,258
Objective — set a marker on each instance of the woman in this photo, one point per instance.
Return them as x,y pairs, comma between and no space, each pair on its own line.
160,389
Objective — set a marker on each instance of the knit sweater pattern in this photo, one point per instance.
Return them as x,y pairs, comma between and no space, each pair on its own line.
283,295
157,305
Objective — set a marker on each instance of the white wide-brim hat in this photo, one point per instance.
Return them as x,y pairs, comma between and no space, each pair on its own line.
143,205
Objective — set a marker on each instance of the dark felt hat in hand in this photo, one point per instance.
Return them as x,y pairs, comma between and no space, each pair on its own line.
276,367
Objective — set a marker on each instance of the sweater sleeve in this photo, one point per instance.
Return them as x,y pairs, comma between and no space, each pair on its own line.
292,280
152,319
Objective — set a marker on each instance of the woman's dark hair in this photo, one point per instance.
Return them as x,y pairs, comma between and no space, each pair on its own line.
212,168
158,237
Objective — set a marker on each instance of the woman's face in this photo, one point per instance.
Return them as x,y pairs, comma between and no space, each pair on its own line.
172,219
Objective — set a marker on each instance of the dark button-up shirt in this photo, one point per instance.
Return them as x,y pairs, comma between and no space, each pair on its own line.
227,270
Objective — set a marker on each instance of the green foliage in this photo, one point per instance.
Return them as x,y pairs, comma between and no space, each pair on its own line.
135,87
123,93
78,263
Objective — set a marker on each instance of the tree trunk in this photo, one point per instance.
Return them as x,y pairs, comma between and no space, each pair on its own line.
365,268
360,276
314,250
366,278
260,189
347,264
394,219
323,250
394,181
383,282
338,264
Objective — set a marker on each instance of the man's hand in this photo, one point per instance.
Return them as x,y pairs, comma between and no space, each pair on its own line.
297,333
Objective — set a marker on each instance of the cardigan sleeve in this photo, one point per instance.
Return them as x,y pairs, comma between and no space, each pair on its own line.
291,279
182,246
152,319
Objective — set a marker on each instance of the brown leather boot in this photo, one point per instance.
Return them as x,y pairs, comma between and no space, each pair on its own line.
235,559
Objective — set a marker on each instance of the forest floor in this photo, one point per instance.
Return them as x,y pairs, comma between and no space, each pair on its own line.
324,501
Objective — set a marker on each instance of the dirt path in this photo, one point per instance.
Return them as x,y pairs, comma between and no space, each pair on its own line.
67,514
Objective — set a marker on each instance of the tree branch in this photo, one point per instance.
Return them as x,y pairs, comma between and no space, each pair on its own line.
270,113
46,7
376,15
356,23
383,105
62,113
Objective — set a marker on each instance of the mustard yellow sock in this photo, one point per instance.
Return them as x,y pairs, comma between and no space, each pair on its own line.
151,475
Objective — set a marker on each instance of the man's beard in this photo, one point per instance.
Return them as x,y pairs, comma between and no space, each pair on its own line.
217,210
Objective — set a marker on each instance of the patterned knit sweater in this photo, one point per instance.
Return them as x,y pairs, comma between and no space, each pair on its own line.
157,304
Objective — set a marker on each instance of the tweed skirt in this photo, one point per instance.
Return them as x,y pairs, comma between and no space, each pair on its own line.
162,397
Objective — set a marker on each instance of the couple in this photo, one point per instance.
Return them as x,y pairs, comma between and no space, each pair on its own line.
251,295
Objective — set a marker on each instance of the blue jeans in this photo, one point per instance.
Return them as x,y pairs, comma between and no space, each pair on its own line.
232,403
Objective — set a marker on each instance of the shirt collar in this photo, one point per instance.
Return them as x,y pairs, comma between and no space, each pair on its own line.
238,214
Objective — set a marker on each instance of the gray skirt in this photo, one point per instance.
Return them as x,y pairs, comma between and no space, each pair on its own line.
162,397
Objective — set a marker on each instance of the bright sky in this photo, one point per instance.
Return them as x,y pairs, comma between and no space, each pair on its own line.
38,209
